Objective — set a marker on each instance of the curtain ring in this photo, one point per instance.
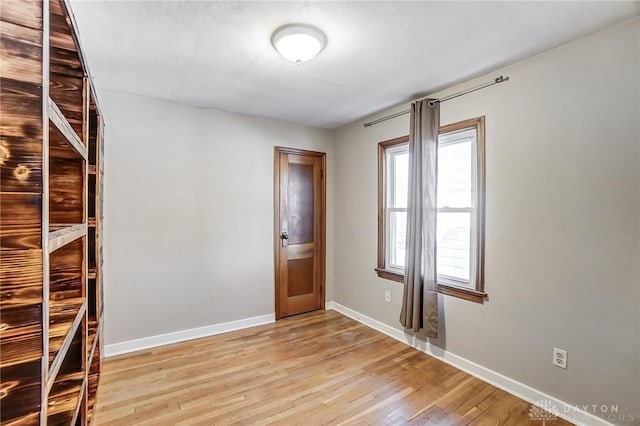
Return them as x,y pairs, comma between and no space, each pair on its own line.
432,103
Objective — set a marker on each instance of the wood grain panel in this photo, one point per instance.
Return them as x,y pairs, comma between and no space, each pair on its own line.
20,53
20,137
21,334
65,63
21,278
63,397
55,8
65,270
67,93
20,220
20,211
20,392
27,13
60,35
29,419
300,251
66,196
67,73
300,277
20,109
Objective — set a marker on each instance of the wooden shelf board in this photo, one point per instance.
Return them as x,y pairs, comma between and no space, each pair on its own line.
91,222
60,121
91,169
64,234
61,334
92,273
53,227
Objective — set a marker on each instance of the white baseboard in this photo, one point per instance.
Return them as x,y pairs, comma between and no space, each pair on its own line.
560,408
183,335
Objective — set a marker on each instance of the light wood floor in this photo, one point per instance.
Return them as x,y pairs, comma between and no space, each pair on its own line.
317,368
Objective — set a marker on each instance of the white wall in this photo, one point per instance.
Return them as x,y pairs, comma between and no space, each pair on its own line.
189,214
562,222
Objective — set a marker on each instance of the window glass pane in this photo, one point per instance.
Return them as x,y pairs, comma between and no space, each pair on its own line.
397,230
401,178
453,234
454,174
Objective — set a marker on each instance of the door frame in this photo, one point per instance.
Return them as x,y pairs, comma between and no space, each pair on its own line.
276,223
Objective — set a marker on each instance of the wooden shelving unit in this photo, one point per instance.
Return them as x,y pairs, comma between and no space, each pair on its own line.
51,213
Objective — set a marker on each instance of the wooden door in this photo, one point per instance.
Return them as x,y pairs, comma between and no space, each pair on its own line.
299,231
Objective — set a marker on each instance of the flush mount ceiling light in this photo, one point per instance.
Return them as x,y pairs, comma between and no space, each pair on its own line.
298,42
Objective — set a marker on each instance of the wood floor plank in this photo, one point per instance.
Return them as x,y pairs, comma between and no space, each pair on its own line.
312,369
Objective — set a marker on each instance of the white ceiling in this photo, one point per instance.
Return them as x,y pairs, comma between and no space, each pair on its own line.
219,55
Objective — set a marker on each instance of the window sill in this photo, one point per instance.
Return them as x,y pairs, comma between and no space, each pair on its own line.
462,293
390,275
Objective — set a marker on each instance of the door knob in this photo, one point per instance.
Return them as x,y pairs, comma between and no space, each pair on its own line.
284,235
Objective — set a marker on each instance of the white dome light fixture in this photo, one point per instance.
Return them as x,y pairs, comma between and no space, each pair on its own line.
298,42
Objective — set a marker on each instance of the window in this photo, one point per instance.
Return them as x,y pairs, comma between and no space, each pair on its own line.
460,226
393,171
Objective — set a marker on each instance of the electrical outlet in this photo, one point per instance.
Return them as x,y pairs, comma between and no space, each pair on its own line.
387,296
560,358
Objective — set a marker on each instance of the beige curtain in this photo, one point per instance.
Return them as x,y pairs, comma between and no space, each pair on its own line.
420,301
